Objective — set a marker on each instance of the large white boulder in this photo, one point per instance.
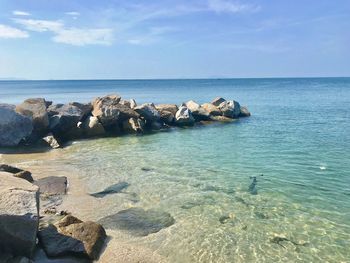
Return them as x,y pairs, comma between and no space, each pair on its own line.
183,117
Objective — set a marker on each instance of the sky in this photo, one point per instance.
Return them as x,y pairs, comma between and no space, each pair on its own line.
126,39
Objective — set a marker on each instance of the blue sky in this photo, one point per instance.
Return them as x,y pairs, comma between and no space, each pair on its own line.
106,39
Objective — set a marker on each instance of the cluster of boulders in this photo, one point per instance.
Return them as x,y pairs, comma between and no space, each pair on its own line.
39,120
23,221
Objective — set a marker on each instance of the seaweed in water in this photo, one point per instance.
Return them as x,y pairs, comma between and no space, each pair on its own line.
278,239
113,189
146,169
252,187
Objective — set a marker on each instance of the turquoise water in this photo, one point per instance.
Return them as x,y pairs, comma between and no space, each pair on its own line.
298,137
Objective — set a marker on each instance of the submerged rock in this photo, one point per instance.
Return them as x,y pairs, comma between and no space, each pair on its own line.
14,127
19,216
113,189
184,117
52,185
71,236
36,110
137,221
226,218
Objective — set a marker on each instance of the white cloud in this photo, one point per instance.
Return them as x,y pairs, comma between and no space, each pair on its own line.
82,37
40,25
11,32
226,6
73,13
20,13
72,36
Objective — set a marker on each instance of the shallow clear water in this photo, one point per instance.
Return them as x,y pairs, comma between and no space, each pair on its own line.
298,136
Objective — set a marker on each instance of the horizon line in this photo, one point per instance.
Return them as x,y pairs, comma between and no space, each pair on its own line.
187,78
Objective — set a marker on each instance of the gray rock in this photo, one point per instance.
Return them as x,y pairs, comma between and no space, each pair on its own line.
217,101
35,109
71,236
14,127
156,125
56,244
167,117
198,112
19,216
104,108
54,109
52,141
244,112
64,121
148,112
92,127
16,172
8,258
230,109
125,103
138,222
133,103
133,125
167,112
85,108
52,185
110,112
9,169
211,109
184,117
25,175
167,107
41,257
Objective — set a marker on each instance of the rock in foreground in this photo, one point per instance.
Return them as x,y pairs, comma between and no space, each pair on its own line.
71,236
138,222
52,185
19,216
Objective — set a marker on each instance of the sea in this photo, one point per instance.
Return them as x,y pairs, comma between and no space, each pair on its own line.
274,187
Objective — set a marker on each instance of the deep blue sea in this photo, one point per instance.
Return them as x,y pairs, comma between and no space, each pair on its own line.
298,137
